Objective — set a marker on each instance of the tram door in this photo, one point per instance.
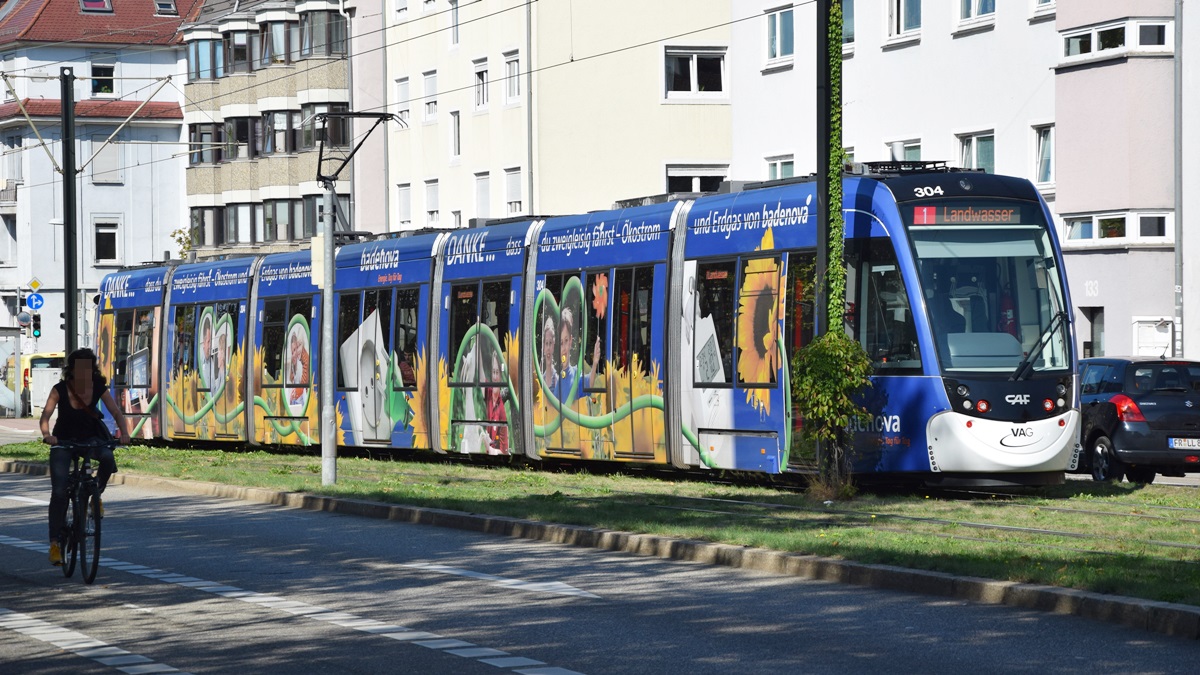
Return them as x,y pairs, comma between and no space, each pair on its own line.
363,348
635,434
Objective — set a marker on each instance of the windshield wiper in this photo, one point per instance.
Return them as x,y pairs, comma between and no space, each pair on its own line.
1043,340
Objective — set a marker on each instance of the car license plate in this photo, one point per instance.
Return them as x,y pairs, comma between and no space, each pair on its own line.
1184,443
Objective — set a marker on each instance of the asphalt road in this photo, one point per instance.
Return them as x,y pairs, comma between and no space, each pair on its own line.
205,585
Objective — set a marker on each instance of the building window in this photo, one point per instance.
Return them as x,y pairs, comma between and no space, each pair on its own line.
106,164
402,99
313,217
780,35
455,135
512,191
974,9
239,223
208,225
102,79
336,129
694,73
106,243
280,43
1044,170
205,142
239,51
322,34
780,167
696,178
456,218
277,220
1096,227
512,77
483,195
431,203
481,84
904,17
96,5
243,137
280,131
206,60
905,151
8,239
165,8
404,205
847,22
978,151
402,7
453,22
1152,226
1152,35
431,96
13,166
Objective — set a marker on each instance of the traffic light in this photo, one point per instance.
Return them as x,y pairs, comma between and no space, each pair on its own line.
37,325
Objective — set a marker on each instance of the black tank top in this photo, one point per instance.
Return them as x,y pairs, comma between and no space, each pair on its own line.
76,424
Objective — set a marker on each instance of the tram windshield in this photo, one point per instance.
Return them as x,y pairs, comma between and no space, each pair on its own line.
993,291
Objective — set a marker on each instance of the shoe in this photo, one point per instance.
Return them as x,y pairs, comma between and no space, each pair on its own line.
55,554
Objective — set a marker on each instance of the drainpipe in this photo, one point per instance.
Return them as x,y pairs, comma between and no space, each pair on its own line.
1179,178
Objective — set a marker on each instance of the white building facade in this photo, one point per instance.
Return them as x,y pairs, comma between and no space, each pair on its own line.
513,109
1075,95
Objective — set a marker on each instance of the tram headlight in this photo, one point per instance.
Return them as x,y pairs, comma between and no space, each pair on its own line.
1048,405
1061,390
967,405
963,391
1062,402
983,406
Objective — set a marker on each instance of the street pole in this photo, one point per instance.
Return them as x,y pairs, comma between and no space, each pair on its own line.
328,418
70,285
821,301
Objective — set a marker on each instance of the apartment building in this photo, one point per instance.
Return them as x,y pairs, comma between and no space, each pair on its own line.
1075,95
258,75
124,57
512,108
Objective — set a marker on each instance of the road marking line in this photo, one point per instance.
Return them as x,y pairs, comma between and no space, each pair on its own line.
14,621
26,500
80,644
555,587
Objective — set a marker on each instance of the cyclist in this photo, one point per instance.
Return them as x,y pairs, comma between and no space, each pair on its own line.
81,389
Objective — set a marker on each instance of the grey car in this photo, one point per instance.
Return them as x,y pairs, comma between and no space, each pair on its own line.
1141,417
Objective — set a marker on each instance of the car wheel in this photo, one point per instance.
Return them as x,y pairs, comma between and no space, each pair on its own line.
1140,474
1106,467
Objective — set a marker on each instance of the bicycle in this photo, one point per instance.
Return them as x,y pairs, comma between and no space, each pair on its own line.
79,539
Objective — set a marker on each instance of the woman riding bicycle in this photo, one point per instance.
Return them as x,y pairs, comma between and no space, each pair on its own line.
81,389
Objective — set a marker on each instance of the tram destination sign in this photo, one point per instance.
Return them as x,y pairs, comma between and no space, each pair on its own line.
967,214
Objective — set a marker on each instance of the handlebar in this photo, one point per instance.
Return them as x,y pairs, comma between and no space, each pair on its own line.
92,444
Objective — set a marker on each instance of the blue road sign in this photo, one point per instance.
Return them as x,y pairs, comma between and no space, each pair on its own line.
34,301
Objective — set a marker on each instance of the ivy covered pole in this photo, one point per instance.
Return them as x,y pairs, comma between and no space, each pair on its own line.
833,369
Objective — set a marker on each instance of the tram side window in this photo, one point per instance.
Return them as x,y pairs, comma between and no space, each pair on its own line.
634,317
464,312
879,315
348,322
407,307
799,322
274,334
143,337
494,314
716,287
596,329
380,302
758,322
219,338
299,343
124,332
185,338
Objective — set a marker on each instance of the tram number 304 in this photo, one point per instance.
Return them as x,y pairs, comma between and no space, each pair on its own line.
935,191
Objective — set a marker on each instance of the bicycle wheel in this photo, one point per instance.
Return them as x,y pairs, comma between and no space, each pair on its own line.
89,546
66,537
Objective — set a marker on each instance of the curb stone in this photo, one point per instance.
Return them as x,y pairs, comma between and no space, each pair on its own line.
1168,618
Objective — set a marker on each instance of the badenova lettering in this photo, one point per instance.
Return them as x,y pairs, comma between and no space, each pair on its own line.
378,258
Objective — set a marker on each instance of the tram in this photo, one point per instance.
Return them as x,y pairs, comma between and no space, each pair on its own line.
657,334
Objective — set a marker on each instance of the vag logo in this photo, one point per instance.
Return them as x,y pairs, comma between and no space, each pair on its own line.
1017,399
1019,437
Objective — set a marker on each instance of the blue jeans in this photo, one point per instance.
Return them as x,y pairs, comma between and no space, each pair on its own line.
60,468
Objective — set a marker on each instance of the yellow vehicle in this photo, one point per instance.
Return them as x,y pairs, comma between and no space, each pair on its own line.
29,363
